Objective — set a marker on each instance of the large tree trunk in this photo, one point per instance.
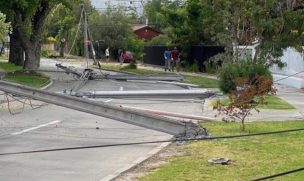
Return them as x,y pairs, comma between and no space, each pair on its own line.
32,42
16,54
32,56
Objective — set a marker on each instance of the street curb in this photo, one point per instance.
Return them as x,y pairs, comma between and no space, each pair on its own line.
48,85
136,162
42,88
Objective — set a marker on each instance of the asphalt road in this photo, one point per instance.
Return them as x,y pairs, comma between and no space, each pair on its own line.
51,127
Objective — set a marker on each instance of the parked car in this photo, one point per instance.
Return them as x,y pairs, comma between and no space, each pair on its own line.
128,57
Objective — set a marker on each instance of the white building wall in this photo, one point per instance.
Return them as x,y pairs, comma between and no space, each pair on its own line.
294,64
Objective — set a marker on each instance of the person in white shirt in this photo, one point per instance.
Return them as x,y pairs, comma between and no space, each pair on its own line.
107,54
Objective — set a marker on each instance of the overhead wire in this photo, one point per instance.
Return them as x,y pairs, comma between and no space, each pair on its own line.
279,174
77,32
152,142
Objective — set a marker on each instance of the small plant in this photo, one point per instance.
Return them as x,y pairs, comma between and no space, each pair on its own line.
250,92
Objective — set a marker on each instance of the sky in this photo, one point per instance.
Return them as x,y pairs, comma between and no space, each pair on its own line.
101,4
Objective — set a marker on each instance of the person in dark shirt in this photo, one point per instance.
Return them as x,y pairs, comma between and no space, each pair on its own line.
174,58
167,56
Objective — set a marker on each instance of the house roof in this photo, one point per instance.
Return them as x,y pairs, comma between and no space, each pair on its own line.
139,27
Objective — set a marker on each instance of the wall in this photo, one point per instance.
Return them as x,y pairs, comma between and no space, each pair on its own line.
294,64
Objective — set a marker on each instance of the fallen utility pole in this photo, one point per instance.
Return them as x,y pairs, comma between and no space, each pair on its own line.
69,70
178,94
138,118
139,77
93,75
172,114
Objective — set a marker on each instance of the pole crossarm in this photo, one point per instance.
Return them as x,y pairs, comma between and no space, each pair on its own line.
129,116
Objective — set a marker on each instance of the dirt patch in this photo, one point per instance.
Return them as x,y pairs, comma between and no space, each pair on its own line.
152,163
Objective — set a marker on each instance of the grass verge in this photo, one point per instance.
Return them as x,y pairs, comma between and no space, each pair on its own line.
272,102
124,68
203,82
252,157
15,74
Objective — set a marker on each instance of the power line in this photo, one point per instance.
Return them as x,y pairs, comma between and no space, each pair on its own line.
289,76
151,142
280,174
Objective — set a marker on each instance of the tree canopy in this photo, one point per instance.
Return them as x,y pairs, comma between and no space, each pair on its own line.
4,27
272,24
27,19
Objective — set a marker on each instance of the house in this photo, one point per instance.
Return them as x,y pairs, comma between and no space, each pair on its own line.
145,32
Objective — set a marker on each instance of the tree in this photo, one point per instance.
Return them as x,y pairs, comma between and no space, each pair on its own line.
152,11
247,98
246,85
113,27
63,23
190,23
273,25
4,28
28,18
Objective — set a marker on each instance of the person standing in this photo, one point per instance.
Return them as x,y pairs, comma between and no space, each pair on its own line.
167,56
107,54
121,56
1,50
62,46
174,58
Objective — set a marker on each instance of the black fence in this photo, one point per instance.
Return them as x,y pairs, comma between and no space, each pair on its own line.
201,54
154,55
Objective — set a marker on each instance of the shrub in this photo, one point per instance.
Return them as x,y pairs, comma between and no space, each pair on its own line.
190,67
46,53
231,71
51,40
210,67
132,65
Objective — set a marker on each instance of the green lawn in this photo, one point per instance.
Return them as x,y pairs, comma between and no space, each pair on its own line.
8,67
252,157
141,71
274,102
14,74
124,68
202,82
271,102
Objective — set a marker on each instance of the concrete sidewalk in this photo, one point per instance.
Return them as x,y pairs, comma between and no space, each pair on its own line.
293,96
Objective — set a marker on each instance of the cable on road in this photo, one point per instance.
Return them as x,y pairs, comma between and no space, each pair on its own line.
23,101
151,142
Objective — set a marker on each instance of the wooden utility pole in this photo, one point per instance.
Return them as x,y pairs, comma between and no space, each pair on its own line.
86,40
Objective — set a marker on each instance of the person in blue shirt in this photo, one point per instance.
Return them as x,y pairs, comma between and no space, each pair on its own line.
167,56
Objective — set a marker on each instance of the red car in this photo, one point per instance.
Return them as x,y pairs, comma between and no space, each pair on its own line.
128,57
